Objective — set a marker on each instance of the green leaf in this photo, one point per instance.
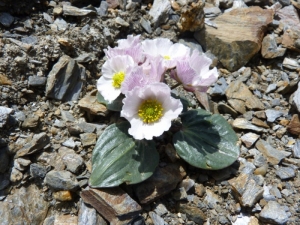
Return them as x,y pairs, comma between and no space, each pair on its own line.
185,102
116,105
118,158
206,141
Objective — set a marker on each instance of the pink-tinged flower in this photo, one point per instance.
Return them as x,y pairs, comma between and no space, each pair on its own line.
147,73
194,73
130,46
162,47
114,71
150,110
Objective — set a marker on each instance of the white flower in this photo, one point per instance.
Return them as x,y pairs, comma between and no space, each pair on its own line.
165,49
114,71
150,110
194,74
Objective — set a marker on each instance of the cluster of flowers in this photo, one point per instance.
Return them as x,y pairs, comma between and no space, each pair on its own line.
137,68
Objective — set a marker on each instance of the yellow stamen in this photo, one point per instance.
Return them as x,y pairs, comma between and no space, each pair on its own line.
167,57
150,111
118,78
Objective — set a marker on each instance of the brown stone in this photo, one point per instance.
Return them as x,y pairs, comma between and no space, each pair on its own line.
294,125
65,220
90,104
238,35
240,97
192,213
63,196
269,49
4,80
162,182
259,123
113,204
192,17
273,155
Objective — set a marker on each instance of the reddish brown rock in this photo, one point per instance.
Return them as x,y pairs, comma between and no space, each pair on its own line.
238,35
294,125
113,204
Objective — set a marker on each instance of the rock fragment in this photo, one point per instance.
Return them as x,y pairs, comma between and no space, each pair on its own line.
296,149
65,219
273,155
296,98
61,180
113,204
269,49
4,115
65,80
38,142
6,19
38,171
243,124
90,104
290,64
240,97
73,161
162,182
74,11
249,139
273,114
156,218
238,37
294,125
193,213
285,173
88,216
160,12
273,213
36,81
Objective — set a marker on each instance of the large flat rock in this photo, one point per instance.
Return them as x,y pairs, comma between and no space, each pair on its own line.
238,36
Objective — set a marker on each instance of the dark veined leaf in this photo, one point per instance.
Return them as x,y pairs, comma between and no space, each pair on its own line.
116,105
206,141
118,158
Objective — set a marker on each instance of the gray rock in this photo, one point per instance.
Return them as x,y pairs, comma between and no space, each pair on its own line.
4,115
285,173
61,24
179,194
296,98
38,142
273,155
73,161
160,209
249,139
86,58
20,116
32,40
47,17
119,21
25,202
285,2
67,116
74,11
187,184
211,11
146,25
61,180
156,219
291,64
65,80
38,171
191,43
270,88
244,124
274,213
219,88
36,81
296,149
15,175
4,160
160,12
69,143
102,10
6,19
272,114
212,199
89,216
269,48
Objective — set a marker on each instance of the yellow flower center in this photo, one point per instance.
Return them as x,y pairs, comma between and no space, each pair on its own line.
150,111
167,57
118,78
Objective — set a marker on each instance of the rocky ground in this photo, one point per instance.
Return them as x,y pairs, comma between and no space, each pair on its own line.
51,53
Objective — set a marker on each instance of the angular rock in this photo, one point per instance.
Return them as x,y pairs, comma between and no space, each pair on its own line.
65,80
113,204
191,17
38,171
246,189
74,11
4,80
162,182
26,202
290,63
296,149
290,39
273,114
192,213
243,124
249,139
89,216
157,220
273,155
269,49
60,24
4,115
88,139
31,122
73,161
296,98
37,81
274,213
61,180
38,142
238,37
160,12
90,104
240,97
294,125
24,46
285,173
62,196
212,199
